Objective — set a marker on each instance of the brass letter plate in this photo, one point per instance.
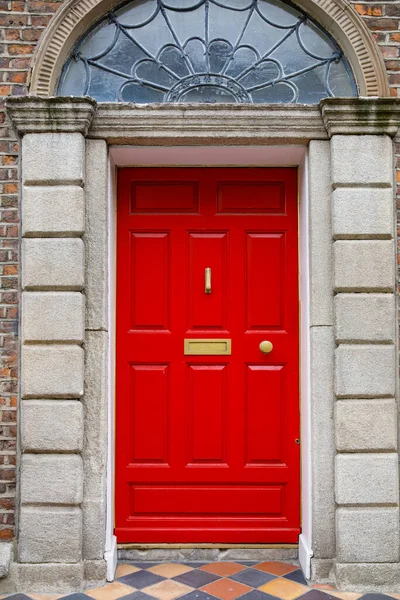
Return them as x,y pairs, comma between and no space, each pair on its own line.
208,347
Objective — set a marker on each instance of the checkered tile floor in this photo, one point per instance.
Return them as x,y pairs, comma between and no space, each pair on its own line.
209,581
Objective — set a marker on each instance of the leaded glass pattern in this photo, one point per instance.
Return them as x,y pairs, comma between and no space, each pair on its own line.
255,51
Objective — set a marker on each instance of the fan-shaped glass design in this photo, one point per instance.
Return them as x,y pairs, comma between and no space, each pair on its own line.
255,51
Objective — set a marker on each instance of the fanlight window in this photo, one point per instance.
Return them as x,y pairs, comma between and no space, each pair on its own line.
207,51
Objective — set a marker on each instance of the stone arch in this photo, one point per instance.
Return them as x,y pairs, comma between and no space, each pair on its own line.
336,16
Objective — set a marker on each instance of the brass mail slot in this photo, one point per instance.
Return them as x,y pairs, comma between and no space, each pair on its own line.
203,347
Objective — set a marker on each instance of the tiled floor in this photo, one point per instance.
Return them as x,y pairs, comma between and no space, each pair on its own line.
209,581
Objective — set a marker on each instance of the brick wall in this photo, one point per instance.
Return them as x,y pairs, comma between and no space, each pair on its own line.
21,25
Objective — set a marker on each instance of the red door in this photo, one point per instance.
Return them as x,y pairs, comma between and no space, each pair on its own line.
207,424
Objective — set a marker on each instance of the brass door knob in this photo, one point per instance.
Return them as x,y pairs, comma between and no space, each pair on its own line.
266,347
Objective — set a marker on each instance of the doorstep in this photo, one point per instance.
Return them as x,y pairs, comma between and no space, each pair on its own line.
239,580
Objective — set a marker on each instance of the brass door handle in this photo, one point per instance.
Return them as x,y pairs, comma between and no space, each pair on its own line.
266,347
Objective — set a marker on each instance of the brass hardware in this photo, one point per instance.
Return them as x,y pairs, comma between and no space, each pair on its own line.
207,282
266,347
210,347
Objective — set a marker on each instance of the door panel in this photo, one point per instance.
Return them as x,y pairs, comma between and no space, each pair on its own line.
207,411
206,444
208,311
149,399
150,280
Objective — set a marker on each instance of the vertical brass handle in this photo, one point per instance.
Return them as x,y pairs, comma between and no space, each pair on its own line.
266,347
207,280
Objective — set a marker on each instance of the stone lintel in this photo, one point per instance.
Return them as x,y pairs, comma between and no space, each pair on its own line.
361,116
32,114
207,124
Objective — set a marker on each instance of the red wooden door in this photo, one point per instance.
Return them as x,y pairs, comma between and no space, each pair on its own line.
207,447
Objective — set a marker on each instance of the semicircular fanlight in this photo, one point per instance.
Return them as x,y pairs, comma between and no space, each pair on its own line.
256,51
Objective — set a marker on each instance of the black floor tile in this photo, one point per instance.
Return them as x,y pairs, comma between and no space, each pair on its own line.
196,578
19,597
376,597
296,576
76,596
317,595
197,595
136,596
140,579
256,595
252,577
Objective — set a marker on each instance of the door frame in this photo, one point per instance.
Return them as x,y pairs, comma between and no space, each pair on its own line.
350,151
223,156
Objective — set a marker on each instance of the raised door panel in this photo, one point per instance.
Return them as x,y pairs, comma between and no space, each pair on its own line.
265,273
207,500
264,404
149,397
207,413
157,197
208,311
251,197
150,281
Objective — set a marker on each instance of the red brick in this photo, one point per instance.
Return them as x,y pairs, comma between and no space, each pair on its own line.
382,24
31,35
392,65
394,78
389,51
6,534
370,10
17,49
392,10
13,35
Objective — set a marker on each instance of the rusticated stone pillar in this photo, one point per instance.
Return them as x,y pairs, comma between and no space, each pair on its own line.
366,463
51,552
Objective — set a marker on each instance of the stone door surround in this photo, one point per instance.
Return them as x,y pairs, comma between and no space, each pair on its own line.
65,325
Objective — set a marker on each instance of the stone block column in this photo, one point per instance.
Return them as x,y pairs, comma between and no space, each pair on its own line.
50,548
366,462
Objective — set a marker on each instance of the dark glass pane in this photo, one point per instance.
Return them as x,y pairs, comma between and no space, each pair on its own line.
207,51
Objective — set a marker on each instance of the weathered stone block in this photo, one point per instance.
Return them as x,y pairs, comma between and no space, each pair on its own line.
94,528
53,158
365,371
53,211
365,317
96,235
368,577
364,265
50,534
52,426
366,425
6,556
52,371
51,578
53,317
56,263
366,159
367,479
362,213
322,570
95,572
320,233
323,441
95,403
51,479
367,535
